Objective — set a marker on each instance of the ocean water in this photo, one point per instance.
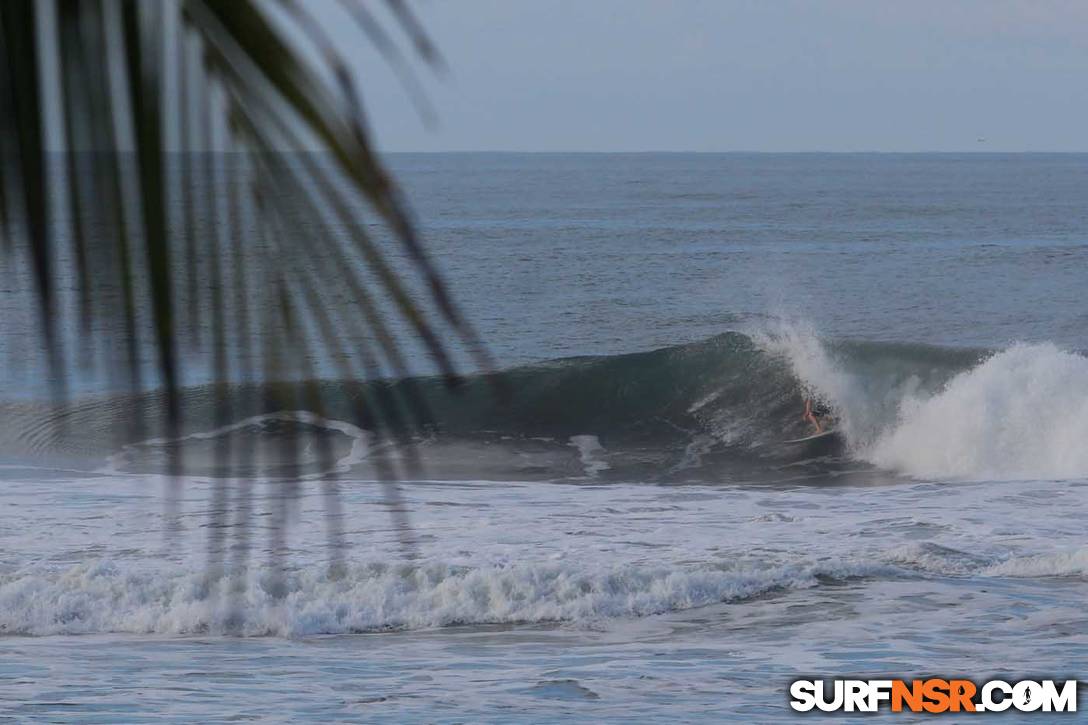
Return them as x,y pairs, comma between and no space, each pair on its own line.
628,536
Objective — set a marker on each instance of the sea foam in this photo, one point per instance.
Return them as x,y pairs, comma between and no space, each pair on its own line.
105,596
1021,414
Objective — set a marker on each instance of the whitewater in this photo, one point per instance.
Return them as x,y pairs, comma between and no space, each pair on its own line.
626,536
1018,413
981,518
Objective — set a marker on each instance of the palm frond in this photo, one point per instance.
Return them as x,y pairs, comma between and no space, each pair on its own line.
190,262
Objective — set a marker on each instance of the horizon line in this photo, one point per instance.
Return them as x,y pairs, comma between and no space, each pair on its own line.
842,152
734,151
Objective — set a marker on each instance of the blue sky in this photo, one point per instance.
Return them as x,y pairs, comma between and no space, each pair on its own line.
720,75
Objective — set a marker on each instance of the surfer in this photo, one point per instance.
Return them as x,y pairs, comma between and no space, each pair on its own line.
816,412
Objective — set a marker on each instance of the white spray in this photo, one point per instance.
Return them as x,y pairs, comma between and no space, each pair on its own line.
1020,414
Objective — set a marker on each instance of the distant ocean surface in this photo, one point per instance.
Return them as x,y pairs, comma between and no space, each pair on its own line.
629,536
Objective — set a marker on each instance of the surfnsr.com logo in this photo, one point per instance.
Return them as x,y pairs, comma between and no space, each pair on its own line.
933,695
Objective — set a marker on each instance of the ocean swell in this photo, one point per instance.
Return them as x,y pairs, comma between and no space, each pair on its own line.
718,410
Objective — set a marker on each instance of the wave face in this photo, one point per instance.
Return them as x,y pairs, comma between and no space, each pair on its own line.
720,409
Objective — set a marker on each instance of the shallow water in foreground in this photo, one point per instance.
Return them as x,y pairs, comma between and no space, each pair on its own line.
535,600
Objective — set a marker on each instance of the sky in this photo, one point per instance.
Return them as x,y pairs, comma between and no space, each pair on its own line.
737,75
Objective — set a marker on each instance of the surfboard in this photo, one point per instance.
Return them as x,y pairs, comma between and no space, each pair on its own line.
815,437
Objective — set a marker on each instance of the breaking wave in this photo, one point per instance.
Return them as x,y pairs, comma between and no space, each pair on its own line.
104,596
717,410
1022,413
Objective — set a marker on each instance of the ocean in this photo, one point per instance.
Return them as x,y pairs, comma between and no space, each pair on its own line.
627,535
